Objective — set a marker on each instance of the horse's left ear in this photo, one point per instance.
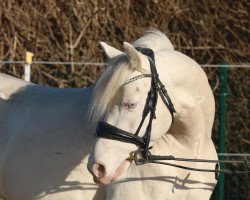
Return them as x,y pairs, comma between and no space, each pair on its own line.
110,51
133,56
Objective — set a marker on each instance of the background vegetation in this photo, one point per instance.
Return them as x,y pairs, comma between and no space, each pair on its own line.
211,32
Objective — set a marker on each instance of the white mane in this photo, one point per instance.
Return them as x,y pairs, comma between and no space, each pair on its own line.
117,71
107,86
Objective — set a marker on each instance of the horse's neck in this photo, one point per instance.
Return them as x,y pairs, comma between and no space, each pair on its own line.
186,134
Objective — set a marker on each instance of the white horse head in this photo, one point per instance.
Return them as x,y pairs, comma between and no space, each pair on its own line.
119,100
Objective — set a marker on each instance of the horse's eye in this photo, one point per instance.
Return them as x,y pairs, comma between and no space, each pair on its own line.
129,105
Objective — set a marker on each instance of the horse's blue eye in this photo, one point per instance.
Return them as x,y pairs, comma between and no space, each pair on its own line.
129,105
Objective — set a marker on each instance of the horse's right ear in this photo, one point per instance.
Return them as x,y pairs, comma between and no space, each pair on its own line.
109,51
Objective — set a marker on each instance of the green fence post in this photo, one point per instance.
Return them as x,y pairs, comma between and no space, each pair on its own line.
222,125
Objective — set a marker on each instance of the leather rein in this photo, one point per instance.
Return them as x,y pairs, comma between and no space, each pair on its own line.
143,154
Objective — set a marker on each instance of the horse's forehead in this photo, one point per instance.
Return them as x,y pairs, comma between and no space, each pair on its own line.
137,81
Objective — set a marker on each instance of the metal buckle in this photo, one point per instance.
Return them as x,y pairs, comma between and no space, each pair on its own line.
139,156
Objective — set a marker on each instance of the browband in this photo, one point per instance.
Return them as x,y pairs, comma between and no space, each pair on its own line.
136,78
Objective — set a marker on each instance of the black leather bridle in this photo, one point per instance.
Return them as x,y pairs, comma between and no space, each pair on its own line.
143,154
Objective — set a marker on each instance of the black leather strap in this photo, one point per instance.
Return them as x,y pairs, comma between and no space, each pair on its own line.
108,131
156,82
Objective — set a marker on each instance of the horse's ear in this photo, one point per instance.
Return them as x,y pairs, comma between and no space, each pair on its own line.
109,51
133,56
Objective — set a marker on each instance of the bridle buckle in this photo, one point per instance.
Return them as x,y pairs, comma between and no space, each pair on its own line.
137,156
140,156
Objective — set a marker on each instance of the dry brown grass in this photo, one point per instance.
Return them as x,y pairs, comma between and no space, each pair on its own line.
208,31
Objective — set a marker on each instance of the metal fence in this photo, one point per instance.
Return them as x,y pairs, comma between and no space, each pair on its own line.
232,125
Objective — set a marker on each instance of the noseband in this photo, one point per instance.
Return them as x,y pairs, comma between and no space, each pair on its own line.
143,154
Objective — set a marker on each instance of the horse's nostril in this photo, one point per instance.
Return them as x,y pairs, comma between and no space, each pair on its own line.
99,171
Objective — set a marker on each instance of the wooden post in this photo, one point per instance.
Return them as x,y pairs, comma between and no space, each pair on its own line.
27,66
